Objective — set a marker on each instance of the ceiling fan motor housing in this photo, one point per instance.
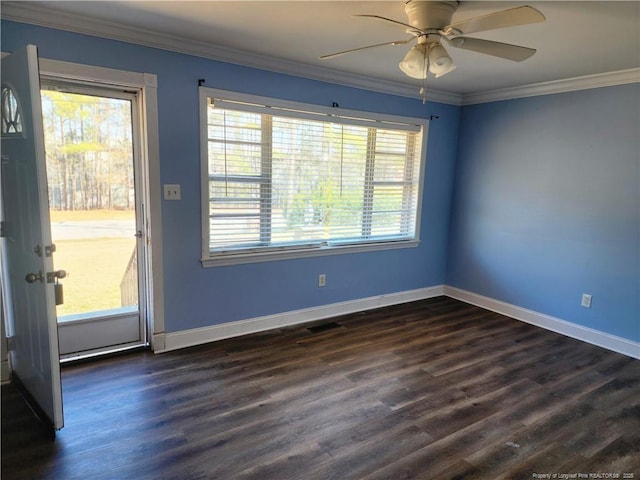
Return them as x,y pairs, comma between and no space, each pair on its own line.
426,15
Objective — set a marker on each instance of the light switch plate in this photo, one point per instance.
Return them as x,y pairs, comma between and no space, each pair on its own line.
172,191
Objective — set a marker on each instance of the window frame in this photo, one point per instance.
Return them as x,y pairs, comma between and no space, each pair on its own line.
262,254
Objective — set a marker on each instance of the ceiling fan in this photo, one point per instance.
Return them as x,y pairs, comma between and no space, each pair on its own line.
430,24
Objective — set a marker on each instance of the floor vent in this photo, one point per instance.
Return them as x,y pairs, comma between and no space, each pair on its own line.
324,327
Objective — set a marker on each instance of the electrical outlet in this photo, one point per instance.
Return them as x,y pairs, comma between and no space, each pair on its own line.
322,280
171,192
586,300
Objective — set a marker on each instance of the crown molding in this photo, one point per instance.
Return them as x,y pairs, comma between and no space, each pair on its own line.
586,82
45,17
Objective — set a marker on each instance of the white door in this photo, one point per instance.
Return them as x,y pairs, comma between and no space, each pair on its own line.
27,255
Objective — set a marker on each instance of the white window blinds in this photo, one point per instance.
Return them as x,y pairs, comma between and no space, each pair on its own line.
282,178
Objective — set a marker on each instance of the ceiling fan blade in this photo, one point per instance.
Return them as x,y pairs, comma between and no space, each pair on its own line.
390,20
497,49
506,18
337,54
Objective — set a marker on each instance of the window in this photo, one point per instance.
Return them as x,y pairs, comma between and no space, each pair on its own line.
283,180
11,113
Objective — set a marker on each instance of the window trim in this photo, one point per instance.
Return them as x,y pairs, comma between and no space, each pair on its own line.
227,258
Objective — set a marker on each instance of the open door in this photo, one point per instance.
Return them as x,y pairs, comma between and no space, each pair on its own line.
28,274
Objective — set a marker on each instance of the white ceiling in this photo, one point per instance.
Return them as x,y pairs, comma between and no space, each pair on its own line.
577,38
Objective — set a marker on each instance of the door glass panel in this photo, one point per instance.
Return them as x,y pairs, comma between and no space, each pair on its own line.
89,148
11,112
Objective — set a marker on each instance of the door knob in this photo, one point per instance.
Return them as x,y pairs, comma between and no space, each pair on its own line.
34,277
53,276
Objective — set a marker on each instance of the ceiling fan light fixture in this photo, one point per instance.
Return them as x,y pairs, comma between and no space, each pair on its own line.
430,23
414,63
440,62
444,72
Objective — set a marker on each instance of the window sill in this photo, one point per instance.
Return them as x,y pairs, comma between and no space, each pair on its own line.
253,257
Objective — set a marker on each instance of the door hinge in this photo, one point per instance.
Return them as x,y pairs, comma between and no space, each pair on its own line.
2,229
11,344
49,249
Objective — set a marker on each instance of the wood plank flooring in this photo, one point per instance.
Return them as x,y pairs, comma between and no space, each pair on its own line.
435,389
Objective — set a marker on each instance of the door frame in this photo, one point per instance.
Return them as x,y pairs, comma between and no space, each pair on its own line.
145,86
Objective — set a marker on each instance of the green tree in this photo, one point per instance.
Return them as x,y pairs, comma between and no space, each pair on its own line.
89,151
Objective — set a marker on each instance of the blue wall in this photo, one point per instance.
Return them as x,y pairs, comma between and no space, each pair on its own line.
198,297
546,198
547,206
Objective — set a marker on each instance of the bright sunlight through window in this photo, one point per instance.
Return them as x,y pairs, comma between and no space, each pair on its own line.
285,180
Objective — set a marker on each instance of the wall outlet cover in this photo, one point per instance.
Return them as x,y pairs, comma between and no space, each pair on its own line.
172,191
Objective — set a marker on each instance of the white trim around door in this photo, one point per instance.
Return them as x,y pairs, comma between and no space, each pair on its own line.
146,85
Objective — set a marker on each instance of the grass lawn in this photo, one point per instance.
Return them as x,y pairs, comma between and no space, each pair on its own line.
95,268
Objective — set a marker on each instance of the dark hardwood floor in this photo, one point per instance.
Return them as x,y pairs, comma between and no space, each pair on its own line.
435,389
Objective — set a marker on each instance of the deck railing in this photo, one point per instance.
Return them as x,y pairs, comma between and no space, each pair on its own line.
129,282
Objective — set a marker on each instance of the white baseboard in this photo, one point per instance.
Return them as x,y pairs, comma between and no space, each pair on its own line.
197,336
188,338
586,334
